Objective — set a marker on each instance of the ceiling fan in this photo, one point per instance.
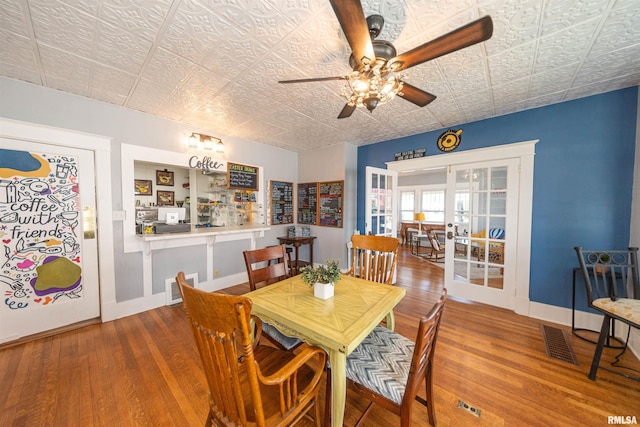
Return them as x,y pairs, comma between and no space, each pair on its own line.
374,80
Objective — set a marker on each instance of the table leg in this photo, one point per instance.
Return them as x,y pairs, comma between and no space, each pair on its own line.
297,262
391,321
311,253
338,386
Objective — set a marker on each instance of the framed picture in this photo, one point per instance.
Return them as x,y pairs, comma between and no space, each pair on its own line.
143,187
165,198
164,177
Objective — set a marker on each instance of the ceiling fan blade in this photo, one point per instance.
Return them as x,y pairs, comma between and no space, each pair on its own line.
415,95
354,25
317,79
472,33
347,111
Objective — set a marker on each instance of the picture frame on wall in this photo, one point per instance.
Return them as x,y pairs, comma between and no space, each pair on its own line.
142,187
164,177
165,198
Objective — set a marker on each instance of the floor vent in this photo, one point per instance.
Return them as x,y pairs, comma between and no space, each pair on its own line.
557,344
468,408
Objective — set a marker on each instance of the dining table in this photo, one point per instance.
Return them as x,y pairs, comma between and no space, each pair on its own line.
337,325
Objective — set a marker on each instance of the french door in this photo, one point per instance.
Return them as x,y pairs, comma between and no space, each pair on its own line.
381,204
481,225
49,271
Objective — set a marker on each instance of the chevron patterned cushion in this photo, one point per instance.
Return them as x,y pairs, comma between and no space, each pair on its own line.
286,341
381,363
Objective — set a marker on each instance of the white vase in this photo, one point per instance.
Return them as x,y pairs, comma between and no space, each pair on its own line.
323,290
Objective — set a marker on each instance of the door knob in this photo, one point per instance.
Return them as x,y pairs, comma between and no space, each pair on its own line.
449,235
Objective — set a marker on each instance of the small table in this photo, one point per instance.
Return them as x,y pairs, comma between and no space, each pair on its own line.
337,325
296,242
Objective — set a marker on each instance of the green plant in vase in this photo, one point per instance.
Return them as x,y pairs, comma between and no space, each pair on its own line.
322,278
327,273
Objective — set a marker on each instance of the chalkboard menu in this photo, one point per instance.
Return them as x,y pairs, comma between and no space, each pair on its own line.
308,203
242,177
281,202
330,196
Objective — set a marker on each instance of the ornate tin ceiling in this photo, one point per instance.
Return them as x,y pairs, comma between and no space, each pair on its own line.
215,64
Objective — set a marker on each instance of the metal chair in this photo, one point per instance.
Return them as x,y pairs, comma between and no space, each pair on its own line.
260,270
250,385
613,289
388,368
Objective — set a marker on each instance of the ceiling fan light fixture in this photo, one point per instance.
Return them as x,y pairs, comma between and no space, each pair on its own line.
371,87
371,103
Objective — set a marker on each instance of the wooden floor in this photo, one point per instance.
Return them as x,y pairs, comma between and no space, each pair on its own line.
144,370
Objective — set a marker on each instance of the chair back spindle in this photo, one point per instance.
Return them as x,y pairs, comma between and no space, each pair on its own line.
609,273
374,258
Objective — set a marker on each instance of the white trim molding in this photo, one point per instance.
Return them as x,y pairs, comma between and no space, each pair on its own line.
525,152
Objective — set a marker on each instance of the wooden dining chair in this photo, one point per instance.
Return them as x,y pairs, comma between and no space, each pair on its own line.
613,289
388,369
261,270
260,266
374,258
250,385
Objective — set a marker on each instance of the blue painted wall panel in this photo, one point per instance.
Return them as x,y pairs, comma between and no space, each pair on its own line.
583,178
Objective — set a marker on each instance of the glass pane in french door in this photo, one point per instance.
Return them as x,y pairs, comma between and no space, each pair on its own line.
480,226
381,204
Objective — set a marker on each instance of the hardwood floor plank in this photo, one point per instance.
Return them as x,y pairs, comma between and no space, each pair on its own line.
144,370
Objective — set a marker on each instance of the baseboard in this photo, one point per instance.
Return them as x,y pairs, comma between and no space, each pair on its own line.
138,305
224,282
583,319
118,310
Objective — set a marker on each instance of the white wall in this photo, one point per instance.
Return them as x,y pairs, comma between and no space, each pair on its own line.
31,103
337,162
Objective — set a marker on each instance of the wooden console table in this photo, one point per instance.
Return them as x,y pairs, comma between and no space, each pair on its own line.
296,242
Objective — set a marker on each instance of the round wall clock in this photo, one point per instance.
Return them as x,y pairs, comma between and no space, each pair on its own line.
449,140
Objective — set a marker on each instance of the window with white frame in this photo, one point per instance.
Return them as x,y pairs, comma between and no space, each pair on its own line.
407,205
432,204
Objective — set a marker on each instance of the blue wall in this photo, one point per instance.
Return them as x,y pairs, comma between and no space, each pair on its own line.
583,179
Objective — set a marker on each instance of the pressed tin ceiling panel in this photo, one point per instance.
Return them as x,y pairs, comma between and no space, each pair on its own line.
215,64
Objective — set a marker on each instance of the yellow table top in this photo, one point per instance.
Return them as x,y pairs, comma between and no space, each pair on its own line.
339,323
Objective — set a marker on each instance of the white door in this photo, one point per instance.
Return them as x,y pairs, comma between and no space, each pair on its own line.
481,233
49,271
381,204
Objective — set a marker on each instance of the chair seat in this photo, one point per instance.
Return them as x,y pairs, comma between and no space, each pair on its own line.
625,308
285,341
381,363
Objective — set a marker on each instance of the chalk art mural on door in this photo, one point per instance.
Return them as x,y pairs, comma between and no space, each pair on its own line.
39,229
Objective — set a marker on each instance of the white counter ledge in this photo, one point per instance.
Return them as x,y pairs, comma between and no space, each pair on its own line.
203,235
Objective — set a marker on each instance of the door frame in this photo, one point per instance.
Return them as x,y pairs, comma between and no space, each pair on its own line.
101,147
525,152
